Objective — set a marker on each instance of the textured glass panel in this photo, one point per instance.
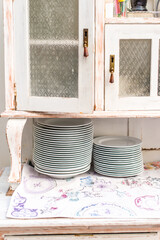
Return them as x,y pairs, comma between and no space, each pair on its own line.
134,67
54,70
159,73
54,48
53,19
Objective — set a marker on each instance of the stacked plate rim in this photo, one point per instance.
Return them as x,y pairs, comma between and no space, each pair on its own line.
117,156
62,147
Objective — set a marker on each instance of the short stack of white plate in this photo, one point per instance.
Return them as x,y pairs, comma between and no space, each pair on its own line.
117,156
62,147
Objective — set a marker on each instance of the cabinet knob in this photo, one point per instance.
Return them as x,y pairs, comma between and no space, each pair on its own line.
86,54
85,42
112,77
112,62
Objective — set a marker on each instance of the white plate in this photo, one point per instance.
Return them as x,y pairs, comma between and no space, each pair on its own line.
62,146
59,169
62,175
63,164
124,162
118,167
112,155
64,122
115,160
62,158
61,149
118,171
108,148
50,151
67,145
61,172
117,150
116,157
118,175
64,155
63,130
63,140
116,153
61,135
117,141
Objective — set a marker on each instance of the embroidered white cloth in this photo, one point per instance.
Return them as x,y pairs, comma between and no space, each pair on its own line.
86,196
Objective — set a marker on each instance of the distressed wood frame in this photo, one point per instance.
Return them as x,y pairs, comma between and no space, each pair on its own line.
99,56
14,130
9,54
95,114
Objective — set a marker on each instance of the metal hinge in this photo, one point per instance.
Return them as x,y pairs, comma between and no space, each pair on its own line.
15,96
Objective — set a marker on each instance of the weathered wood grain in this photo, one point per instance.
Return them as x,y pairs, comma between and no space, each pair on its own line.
99,56
14,130
9,53
95,114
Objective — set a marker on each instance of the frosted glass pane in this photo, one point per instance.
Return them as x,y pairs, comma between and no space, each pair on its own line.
134,67
53,48
54,71
53,19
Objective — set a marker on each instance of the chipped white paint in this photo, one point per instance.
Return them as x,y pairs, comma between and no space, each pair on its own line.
8,53
95,114
99,56
14,132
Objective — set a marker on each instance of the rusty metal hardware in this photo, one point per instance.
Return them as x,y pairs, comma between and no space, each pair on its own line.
112,63
15,96
85,42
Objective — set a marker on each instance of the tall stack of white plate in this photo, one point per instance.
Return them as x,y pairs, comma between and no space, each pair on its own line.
62,147
117,156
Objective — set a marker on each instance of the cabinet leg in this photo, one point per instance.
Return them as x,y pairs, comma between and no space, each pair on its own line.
14,130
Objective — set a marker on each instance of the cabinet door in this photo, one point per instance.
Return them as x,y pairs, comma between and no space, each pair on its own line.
136,83
51,71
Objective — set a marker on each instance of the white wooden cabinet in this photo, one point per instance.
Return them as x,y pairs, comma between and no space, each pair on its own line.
46,70
49,75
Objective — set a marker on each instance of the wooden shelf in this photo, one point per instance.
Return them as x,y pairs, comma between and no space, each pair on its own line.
102,114
129,20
